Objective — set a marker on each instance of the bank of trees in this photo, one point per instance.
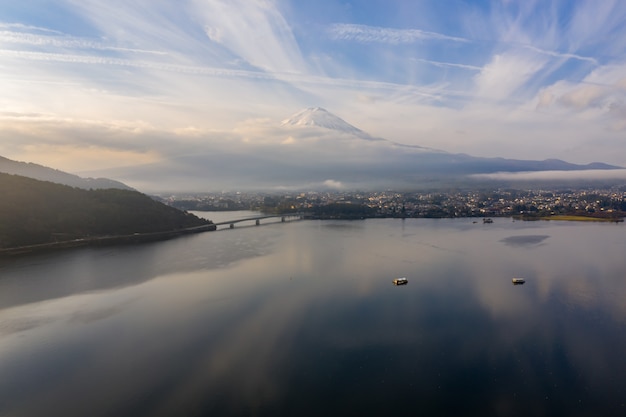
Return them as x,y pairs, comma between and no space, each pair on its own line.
33,212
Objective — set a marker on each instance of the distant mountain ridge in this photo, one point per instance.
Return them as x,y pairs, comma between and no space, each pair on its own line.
317,117
315,149
43,173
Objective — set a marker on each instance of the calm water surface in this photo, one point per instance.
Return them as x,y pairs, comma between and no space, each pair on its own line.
301,318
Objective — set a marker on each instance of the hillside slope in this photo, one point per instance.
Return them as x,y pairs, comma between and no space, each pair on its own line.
43,173
36,212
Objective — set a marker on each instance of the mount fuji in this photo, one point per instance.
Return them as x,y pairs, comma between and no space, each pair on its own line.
401,165
315,149
319,117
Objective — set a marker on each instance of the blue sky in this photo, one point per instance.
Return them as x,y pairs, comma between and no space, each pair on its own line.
92,85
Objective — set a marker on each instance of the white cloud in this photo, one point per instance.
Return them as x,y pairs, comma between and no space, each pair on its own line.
584,96
215,34
506,74
603,90
333,184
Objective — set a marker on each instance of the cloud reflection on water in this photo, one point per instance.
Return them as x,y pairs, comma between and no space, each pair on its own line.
313,324
524,240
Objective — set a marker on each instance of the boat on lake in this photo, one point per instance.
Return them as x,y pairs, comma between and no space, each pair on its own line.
400,281
517,281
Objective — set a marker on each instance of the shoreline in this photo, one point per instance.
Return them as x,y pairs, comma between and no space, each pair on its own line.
575,218
105,240
136,238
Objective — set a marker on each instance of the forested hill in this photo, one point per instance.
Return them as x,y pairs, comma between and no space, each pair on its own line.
43,173
35,212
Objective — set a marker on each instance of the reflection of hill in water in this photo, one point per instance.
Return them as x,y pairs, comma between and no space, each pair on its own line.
96,269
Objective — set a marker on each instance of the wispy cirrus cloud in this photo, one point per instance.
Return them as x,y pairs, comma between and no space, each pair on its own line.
449,64
367,34
12,37
301,80
154,65
254,30
21,26
561,54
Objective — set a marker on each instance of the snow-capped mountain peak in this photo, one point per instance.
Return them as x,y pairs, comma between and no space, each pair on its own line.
319,117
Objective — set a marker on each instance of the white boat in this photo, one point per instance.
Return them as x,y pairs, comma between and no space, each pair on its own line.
400,281
518,280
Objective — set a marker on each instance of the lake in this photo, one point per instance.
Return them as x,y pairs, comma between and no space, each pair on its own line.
301,318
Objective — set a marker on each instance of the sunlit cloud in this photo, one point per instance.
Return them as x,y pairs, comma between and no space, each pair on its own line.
603,90
85,158
333,184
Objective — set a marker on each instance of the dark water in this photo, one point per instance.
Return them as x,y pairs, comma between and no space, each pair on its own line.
302,319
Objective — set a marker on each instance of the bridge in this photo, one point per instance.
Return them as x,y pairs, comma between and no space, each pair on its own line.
143,237
257,219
